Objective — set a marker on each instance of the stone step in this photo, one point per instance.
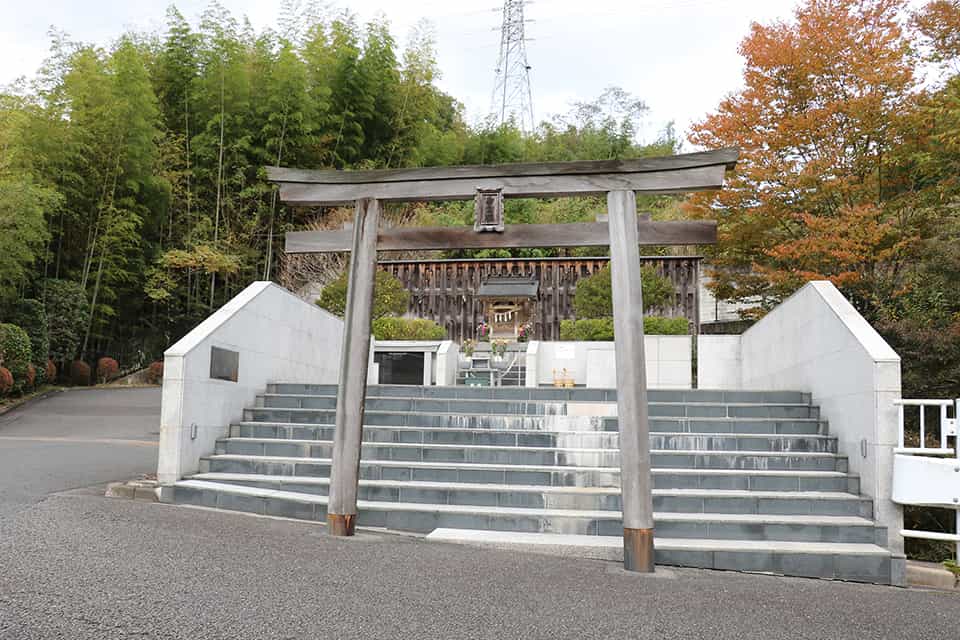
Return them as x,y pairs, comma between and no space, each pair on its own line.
424,518
573,439
548,393
496,421
512,474
589,498
541,408
830,560
548,456
554,424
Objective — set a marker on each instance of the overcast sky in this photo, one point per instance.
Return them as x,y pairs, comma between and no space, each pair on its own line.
679,56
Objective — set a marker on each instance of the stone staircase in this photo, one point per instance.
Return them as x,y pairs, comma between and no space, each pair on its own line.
742,480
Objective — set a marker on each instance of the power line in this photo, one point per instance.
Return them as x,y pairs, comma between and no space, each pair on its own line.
512,98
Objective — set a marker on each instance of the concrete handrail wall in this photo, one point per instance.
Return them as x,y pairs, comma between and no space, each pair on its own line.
668,358
277,336
816,341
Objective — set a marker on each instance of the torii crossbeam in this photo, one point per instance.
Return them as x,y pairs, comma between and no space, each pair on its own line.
620,180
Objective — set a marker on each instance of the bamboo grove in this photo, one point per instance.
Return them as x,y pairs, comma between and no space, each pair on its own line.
132,172
136,169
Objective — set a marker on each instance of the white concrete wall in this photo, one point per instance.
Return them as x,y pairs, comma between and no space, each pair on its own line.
593,364
532,367
448,356
718,362
815,341
279,338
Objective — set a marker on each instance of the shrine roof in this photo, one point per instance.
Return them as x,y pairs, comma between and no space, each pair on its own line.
508,288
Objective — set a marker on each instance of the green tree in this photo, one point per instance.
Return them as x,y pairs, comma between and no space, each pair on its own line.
24,202
65,303
390,298
23,228
352,100
594,295
29,314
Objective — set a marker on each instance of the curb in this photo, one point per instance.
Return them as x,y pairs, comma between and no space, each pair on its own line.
930,575
142,490
25,402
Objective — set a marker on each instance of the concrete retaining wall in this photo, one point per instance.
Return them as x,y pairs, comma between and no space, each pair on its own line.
593,364
815,341
277,336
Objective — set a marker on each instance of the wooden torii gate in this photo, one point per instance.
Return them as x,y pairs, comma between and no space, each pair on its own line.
620,180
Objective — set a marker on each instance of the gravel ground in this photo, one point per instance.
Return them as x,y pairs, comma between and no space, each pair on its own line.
76,565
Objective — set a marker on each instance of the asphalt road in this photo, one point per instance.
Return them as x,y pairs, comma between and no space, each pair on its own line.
76,565
76,439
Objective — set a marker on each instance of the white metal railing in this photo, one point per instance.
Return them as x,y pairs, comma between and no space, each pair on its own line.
948,427
933,495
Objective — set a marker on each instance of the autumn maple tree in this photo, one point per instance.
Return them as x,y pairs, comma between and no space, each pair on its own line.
820,111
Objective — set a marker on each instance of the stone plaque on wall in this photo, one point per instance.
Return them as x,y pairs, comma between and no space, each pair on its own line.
224,364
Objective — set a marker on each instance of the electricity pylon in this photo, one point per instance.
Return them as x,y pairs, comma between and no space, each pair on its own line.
511,90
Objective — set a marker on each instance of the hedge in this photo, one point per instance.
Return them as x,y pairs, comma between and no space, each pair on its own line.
601,329
15,353
30,315
391,328
50,372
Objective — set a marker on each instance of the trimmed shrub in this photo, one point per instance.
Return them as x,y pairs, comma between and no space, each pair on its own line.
601,329
660,326
67,311
31,376
50,371
390,298
407,329
80,373
30,316
593,297
155,373
6,381
587,330
107,370
15,353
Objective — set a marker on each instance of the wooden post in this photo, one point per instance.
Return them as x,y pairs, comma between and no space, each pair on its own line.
632,416
345,470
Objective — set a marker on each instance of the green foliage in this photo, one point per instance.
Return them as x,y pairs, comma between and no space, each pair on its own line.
390,298
29,314
390,328
954,568
660,326
594,295
135,168
66,307
15,353
23,227
601,329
